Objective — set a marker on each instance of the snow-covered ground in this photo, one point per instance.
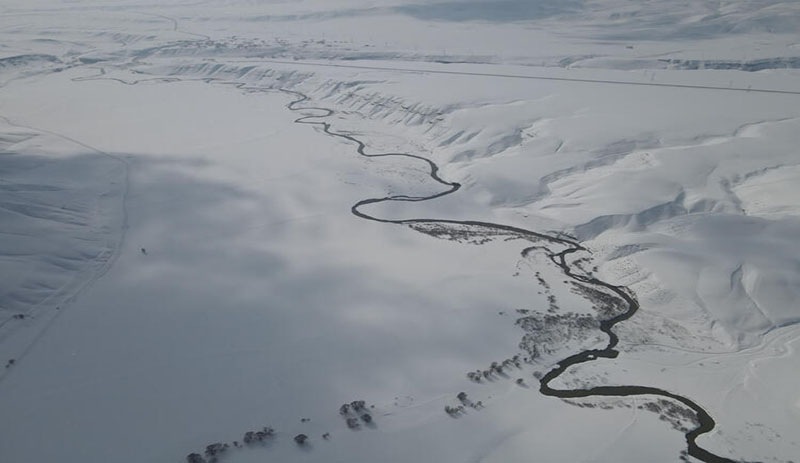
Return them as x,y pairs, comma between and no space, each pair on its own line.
180,264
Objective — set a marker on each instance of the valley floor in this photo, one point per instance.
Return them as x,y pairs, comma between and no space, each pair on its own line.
182,261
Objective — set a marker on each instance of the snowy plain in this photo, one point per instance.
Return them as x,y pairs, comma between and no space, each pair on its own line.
180,263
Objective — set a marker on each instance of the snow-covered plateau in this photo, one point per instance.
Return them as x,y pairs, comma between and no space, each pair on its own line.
445,231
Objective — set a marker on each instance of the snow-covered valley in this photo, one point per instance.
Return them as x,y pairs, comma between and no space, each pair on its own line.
236,216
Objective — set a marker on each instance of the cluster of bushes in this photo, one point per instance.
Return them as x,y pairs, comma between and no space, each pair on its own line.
673,413
455,411
546,334
463,233
18,316
251,437
354,413
211,453
553,304
551,298
497,368
542,281
606,304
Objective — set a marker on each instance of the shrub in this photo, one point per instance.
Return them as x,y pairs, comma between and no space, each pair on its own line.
358,405
216,448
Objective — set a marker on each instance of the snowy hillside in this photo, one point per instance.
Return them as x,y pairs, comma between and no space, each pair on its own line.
445,231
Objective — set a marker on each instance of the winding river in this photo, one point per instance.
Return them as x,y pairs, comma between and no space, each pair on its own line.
706,422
